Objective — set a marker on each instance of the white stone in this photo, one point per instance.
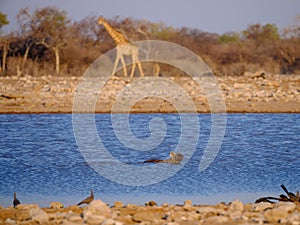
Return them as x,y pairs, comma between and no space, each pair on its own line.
75,218
187,203
56,205
118,223
111,222
95,219
275,215
27,206
286,206
10,221
236,205
237,215
39,215
96,207
262,206
216,220
206,209
294,219
118,204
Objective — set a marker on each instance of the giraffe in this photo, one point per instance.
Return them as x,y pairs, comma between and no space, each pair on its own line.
124,47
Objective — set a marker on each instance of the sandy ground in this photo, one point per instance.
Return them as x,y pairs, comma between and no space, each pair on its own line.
257,93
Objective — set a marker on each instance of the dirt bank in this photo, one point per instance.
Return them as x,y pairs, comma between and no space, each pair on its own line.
255,93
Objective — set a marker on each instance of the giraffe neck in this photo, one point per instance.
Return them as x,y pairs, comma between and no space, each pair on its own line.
117,36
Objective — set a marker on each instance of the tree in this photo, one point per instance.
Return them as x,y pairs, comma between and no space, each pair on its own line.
5,46
4,43
25,32
3,20
288,48
229,37
261,34
49,26
89,30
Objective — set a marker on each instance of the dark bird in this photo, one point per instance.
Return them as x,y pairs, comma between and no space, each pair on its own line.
266,199
88,199
291,195
16,201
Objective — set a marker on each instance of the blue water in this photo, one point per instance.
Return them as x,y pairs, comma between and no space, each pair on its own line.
40,160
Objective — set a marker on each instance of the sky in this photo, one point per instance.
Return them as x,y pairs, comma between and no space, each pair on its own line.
214,16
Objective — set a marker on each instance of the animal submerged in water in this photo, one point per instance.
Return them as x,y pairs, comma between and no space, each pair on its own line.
175,158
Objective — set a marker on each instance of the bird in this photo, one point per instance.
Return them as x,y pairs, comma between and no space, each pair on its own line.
16,201
87,200
291,195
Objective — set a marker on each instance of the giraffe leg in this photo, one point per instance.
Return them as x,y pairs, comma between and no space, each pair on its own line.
132,70
135,62
116,64
140,68
124,66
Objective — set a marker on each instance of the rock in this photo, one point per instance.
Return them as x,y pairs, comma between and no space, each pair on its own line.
236,205
187,203
56,205
206,210
131,206
237,215
118,204
192,216
248,74
294,219
95,219
275,215
126,219
95,210
111,222
151,203
259,74
58,216
39,215
9,221
177,216
75,218
273,83
216,220
27,206
75,209
148,215
165,205
260,219
286,206
262,206
241,86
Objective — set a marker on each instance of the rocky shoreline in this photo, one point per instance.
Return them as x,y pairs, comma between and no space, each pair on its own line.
98,212
253,93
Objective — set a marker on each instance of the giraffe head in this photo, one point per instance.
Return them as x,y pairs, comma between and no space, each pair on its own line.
100,20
